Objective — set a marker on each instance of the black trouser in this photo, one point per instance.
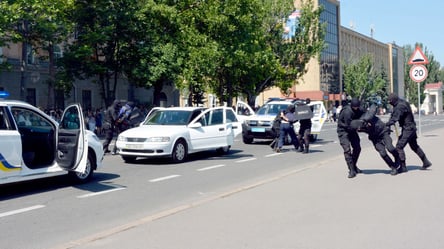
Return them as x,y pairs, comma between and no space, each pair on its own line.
351,145
384,144
109,134
408,136
304,135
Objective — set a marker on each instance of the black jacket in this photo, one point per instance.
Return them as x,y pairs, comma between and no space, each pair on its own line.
372,125
403,114
345,118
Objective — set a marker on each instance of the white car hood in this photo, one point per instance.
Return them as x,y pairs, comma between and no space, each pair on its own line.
154,131
261,117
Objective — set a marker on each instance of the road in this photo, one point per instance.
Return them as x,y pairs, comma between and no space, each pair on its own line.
52,212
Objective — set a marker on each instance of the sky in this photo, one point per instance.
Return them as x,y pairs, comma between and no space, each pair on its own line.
399,21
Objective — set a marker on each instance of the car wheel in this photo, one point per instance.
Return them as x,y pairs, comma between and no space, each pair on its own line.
223,150
179,151
89,170
129,159
247,139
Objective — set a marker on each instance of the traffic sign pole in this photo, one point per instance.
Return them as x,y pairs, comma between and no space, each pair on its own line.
419,73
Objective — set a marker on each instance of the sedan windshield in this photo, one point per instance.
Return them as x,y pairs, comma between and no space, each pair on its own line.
169,117
272,109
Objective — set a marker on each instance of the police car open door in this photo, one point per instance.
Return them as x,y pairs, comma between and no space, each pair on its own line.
72,143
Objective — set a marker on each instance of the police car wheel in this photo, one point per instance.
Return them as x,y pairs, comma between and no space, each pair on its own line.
223,150
89,170
247,139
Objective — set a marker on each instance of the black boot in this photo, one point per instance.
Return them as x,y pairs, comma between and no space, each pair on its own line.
352,170
301,148
392,165
402,168
305,149
426,163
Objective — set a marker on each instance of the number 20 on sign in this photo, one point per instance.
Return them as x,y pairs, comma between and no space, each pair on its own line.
418,73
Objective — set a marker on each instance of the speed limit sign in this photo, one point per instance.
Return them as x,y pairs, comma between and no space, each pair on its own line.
418,73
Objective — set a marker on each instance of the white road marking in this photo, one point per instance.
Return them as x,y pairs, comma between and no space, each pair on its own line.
211,167
246,160
274,154
164,178
99,193
22,210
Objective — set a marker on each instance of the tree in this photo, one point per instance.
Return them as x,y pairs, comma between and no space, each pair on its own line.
103,38
363,82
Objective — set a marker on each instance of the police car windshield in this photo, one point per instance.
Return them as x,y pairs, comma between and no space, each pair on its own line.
272,109
169,117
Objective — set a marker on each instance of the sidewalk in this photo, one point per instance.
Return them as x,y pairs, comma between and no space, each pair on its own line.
314,208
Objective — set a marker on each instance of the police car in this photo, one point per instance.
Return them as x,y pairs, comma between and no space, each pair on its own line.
259,124
33,145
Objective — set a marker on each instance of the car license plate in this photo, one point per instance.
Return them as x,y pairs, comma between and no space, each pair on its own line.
256,129
133,146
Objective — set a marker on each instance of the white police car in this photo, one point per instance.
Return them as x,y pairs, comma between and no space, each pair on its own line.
33,145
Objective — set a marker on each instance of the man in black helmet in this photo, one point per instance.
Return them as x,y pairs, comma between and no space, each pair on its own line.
402,113
348,137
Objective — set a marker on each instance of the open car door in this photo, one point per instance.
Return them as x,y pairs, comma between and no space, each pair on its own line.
243,110
72,149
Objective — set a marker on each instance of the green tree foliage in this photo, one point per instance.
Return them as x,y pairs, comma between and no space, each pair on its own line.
103,36
40,23
362,81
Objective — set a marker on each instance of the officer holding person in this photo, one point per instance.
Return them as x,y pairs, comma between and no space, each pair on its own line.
402,113
348,137
288,118
379,134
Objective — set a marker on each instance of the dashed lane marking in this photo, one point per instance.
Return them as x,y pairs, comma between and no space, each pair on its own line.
246,160
22,210
211,167
164,178
99,193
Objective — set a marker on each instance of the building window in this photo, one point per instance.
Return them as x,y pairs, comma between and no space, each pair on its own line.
86,99
31,96
30,58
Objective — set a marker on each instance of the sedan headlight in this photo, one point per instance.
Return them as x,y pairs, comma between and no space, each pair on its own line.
158,139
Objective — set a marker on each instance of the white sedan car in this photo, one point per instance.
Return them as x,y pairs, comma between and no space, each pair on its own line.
33,145
175,132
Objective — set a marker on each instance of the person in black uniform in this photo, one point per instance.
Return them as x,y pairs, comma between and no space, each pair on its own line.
305,131
379,134
109,125
402,113
287,121
348,137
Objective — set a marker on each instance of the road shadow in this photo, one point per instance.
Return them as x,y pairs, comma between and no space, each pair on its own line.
38,186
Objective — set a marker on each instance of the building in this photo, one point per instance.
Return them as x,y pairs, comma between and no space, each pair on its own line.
323,81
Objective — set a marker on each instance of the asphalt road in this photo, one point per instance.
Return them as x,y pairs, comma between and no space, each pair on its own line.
251,198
